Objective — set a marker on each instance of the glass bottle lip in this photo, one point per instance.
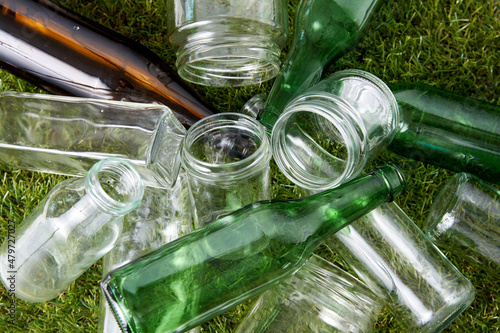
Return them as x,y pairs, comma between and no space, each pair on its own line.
238,170
342,117
123,177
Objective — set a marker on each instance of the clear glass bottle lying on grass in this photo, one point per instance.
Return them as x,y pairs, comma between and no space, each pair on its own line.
67,135
77,223
234,258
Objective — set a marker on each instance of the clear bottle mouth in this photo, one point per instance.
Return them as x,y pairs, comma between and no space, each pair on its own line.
231,145
319,142
115,186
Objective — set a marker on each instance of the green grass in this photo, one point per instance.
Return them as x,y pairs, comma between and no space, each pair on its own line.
451,44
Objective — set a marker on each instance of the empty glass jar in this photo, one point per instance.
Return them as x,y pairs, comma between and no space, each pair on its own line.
391,254
227,43
465,220
226,158
320,297
328,134
77,223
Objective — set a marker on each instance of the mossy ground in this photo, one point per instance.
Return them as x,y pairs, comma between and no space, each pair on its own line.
451,44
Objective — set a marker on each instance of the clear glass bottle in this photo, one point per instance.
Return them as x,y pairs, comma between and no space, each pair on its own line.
67,135
162,216
238,256
66,53
226,158
324,31
229,43
465,221
448,130
320,297
77,223
328,134
393,256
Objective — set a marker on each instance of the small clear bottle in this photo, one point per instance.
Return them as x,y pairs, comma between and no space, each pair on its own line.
328,134
320,297
67,135
227,43
226,158
77,223
465,221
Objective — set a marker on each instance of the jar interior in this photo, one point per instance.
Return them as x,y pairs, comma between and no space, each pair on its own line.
224,144
314,148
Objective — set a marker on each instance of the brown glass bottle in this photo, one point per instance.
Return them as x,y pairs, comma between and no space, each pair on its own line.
68,54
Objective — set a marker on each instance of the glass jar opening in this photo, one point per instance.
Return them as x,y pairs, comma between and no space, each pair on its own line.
231,145
314,145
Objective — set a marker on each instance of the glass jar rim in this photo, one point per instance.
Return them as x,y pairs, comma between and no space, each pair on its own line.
230,171
342,117
393,103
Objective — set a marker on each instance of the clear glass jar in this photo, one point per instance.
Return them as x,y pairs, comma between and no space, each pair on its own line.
226,158
320,297
77,223
328,134
465,220
391,254
229,43
67,135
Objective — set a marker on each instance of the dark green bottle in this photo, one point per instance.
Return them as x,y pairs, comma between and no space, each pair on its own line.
448,130
234,258
324,31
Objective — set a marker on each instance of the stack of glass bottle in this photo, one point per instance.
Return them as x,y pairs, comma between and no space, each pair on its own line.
427,132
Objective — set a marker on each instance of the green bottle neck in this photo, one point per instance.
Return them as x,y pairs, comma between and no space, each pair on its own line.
334,209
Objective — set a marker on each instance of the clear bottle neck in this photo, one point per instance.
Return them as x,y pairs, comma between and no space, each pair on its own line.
115,186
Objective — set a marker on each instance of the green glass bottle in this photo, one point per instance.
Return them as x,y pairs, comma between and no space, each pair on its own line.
448,130
324,31
234,258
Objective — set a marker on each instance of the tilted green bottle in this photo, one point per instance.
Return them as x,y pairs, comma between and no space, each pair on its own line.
324,31
214,268
448,130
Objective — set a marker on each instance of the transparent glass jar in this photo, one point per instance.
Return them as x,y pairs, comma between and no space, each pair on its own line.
67,135
229,43
77,223
226,158
320,297
465,220
328,134
392,255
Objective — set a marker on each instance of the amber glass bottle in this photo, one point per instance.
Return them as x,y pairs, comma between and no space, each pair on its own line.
66,53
